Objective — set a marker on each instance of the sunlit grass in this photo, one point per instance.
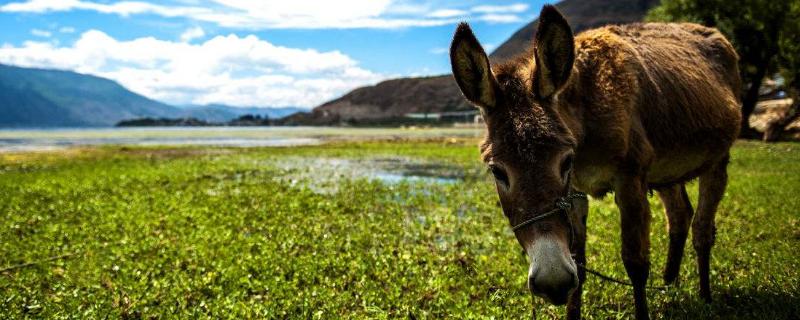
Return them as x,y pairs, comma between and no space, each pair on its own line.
229,233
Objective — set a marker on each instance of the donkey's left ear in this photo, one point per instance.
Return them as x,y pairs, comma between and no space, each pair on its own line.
554,50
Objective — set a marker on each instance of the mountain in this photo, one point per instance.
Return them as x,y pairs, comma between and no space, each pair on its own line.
223,113
393,98
581,15
49,98
388,99
32,97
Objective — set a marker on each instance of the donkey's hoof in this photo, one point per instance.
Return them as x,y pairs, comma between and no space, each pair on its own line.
671,278
706,296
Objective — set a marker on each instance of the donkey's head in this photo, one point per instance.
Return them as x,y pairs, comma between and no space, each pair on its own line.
528,147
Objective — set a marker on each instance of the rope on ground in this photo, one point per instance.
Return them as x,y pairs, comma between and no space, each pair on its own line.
610,279
104,245
33,263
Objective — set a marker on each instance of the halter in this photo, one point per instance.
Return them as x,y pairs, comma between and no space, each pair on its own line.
563,204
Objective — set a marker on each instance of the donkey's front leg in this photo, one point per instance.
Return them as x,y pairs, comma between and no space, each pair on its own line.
579,216
631,198
574,301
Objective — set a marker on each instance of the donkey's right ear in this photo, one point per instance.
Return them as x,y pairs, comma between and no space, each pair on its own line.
471,68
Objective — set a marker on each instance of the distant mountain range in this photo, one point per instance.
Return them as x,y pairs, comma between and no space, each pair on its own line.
53,98
48,98
223,113
397,97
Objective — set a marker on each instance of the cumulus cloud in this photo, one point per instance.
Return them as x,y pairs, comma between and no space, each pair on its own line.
295,14
192,33
123,8
244,71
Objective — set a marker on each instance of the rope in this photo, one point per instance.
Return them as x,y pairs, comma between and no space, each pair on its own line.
33,263
617,281
562,204
59,257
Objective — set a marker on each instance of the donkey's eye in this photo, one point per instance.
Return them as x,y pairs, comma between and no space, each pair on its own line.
566,166
499,174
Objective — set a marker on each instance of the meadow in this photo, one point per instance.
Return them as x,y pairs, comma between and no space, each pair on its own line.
369,229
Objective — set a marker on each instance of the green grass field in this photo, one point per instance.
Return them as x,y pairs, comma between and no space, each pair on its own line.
308,232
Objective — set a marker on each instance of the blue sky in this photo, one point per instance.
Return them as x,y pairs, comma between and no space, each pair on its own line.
248,53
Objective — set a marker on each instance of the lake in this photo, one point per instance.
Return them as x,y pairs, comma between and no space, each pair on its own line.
24,140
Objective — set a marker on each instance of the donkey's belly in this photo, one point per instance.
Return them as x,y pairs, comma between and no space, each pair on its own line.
595,179
677,167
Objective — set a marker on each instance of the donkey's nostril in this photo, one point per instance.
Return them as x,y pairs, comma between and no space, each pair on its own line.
555,289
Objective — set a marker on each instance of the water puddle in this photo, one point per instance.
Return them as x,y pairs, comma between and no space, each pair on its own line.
394,178
397,170
322,174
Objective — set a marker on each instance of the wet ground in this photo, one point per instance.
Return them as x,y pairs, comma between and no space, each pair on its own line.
322,174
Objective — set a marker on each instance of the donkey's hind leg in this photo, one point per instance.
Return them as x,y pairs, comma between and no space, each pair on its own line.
679,216
712,188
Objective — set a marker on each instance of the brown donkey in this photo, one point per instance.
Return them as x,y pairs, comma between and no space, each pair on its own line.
622,109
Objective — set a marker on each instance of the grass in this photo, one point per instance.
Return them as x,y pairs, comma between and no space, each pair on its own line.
236,233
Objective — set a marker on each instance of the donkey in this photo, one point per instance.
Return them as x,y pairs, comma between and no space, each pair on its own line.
622,109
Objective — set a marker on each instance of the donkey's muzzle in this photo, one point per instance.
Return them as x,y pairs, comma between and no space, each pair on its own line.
555,292
552,274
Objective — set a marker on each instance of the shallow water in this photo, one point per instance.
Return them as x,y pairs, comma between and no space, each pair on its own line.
29,145
393,178
54,139
322,174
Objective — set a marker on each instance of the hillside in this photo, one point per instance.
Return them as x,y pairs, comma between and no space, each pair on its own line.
52,98
394,98
582,15
48,98
388,99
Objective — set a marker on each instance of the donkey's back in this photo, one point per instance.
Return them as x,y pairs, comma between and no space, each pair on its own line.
680,82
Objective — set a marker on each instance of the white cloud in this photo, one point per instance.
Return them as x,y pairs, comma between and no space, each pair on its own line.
245,71
281,14
447,13
499,18
439,50
41,33
512,8
66,30
192,33
123,8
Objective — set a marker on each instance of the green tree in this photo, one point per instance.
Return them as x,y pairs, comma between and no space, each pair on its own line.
764,33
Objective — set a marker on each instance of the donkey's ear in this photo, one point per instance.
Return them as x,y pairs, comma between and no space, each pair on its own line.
471,68
554,50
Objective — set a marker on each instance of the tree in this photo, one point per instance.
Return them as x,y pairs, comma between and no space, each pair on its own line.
764,33
789,62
